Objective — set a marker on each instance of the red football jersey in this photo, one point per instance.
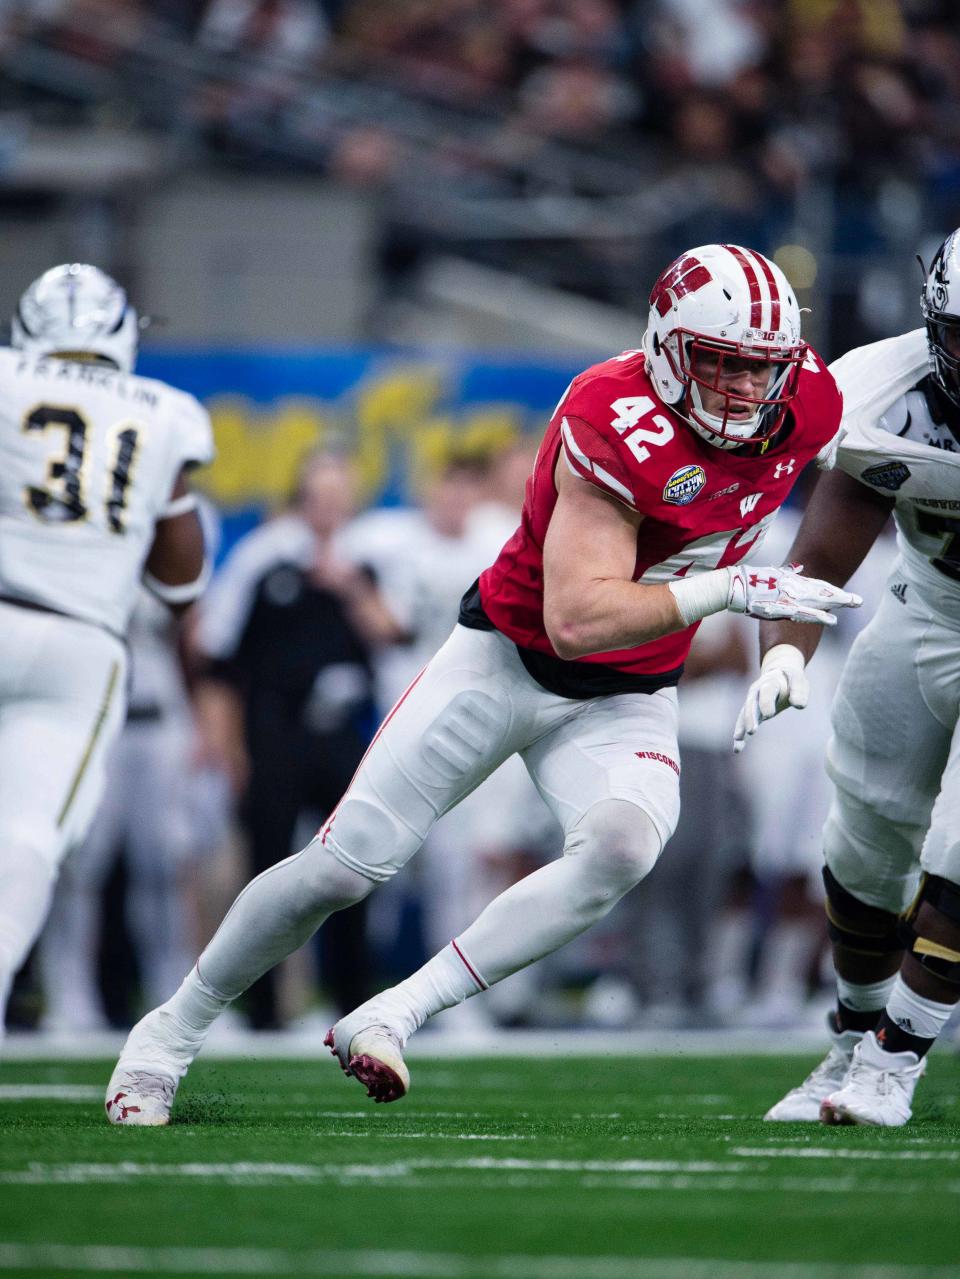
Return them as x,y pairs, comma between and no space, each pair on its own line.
703,507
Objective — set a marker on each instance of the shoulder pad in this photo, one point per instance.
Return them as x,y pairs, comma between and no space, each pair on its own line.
872,377
194,429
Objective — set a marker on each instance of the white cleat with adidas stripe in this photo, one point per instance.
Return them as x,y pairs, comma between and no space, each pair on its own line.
801,1105
878,1091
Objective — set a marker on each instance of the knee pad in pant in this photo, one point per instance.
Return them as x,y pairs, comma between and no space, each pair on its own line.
620,842
874,858
369,839
327,883
930,928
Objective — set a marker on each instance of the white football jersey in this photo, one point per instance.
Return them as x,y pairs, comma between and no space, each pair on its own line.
895,444
88,460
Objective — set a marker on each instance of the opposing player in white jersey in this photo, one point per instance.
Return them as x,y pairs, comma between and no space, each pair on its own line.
892,838
93,498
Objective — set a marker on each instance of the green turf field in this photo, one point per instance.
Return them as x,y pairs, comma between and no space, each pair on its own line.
490,1169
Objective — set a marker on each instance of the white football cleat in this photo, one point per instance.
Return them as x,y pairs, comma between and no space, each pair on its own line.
801,1105
372,1052
878,1089
144,1082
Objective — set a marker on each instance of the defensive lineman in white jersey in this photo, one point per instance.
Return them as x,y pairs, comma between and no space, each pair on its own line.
93,497
892,838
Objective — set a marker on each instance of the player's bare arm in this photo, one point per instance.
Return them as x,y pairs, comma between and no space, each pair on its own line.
590,602
592,605
841,523
175,569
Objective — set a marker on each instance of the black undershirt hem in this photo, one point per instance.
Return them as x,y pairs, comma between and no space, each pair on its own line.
576,680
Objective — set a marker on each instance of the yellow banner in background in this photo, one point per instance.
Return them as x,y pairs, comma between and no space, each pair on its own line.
397,418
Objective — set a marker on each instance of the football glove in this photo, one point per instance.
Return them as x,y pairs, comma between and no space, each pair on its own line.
782,683
780,593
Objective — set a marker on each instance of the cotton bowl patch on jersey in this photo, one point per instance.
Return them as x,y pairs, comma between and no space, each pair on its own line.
887,475
684,485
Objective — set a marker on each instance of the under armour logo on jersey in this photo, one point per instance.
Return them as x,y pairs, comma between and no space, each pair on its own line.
749,502
784,468
769,582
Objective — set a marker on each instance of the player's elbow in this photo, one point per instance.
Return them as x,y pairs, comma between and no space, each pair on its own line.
177,568
566,634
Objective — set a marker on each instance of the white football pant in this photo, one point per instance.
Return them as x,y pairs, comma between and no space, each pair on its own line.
146,811
595,763
62,702
894,756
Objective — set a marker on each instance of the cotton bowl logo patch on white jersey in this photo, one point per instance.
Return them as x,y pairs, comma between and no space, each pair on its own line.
684,485
887,475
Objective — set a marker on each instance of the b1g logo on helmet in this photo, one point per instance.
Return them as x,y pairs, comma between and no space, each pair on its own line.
765,338
684,485
887,475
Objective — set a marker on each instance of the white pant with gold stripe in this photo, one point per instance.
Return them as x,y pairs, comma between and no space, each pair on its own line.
62,703
894,756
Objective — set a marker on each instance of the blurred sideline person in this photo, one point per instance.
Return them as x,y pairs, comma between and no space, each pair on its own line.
149,812
285,691
93,499
658,474
892,838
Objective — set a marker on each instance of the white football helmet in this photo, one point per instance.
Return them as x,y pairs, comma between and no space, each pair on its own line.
940,305
713,312
77,309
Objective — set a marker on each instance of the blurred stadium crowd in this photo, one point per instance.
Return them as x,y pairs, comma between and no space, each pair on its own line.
576,143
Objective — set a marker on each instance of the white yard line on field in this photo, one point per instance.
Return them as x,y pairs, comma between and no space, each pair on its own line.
37,1173
838,1152
48,1259
365,1134
50,1092
426,1174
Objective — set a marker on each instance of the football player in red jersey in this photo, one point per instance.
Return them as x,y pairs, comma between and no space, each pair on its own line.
659,473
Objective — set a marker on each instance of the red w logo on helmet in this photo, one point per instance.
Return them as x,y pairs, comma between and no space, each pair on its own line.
684,276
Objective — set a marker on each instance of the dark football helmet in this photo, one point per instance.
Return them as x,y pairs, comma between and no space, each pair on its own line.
940,305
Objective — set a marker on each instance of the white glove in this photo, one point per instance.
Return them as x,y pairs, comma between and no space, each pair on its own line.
782,683
781,593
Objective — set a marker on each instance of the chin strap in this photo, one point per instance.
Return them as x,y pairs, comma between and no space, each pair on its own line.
711,425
